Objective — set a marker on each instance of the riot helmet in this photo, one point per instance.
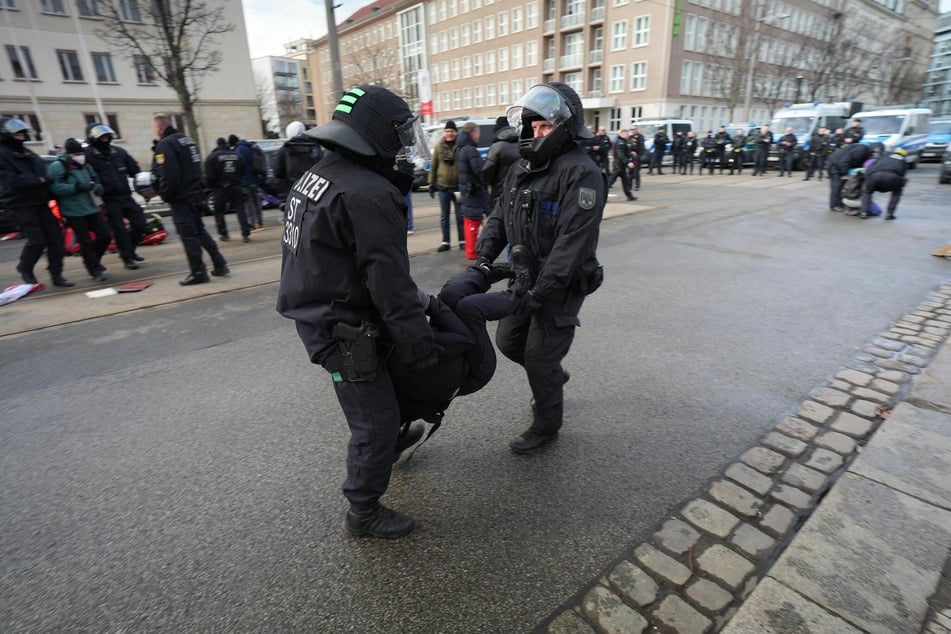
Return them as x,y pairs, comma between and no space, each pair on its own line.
373,123
294,129
10,128
559,105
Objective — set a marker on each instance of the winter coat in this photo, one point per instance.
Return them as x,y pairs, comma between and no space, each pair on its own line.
63,176
113,168
443,170
474,201
295,157
20,178
502,154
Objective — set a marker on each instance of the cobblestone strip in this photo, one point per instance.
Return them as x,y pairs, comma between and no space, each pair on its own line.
701,563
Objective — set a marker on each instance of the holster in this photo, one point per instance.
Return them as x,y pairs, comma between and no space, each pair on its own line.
359,350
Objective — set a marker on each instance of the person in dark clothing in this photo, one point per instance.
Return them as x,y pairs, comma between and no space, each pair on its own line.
818,151
638,150
624,162
552,204
502,154
23,191
690,152
709,146
297,155
854,133
737,152
657,154
677,151
114,167
886,174
224,170
787,152
838,139
722,138
176,168
474,197
840,162
251,181
345,281
761,154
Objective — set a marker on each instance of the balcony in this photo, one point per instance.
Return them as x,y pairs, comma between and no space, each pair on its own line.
597,14
573,20
596,56
571,61
548,26
548,64
595,100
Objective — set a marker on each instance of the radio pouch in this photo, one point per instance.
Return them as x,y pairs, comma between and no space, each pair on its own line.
358,349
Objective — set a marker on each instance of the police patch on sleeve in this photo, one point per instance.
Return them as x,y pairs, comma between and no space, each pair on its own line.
160,159
587,198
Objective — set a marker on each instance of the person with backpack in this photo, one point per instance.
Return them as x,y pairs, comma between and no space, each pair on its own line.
298,154
255,175
78,192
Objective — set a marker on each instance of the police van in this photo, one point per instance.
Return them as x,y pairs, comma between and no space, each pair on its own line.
897,127
805,119
670,126
939,136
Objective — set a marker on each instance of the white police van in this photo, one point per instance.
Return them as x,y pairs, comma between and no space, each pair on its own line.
895,127
805,119
671,126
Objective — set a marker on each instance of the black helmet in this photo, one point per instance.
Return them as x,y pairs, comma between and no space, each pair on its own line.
877,148
371,122
556,103
10,126
96,130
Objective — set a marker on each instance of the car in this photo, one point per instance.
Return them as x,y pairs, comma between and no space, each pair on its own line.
939,135
944,176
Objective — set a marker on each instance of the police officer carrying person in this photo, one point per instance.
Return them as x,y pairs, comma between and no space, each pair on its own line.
819,144
114,167
23,191
624,162
840,162
787,152
723,139
176,168
224,171
552,204
690,151
737,152
345,281
761,154
638,145
886,174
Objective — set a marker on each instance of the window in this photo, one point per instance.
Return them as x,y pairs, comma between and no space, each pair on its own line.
467,66
52,6
517,55
129,9
619,35
516,87
105,74
490,27
695,33
574,80
531,15
642,29
144,72
614,119
476,31
517,19
617,78
504,93
503,23
112,119
7,4
22,62
453,38
464,35
531,53
638,75
489,62
477,64
490,95
503,59
466,98
88,8
69,65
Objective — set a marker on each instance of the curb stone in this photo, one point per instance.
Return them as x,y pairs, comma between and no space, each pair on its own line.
701,563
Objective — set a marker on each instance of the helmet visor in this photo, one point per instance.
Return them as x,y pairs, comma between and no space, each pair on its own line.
100,129
543,101
15,126
413,142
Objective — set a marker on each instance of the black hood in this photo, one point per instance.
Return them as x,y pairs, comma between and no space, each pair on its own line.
300,145
508,134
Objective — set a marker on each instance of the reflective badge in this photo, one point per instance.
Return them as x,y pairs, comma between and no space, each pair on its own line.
160,159
587,198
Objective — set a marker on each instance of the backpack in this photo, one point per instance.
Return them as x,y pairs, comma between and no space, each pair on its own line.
852,188
258,161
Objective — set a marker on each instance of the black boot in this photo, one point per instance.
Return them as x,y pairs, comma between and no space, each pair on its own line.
195,278
27,276
59,280
531,441
407,437
375,520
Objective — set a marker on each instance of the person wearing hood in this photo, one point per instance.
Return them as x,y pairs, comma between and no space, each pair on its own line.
502,154
114,167
474,197
78,192
23,191
251,180
297,155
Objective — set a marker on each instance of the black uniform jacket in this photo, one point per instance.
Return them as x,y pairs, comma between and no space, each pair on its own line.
176,167
20,174
555,210
848,157
114,167
345,259
889,165
224,166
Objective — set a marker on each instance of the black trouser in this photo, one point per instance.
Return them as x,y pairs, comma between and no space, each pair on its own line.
736,161
118,210
657,160
883,182
709,160
252,205
760,156
835,188
786,162
817,163
720,153
93,235
539,342
230,197
186,214
42,232
678,160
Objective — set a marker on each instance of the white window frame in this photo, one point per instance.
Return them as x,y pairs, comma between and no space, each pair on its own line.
642,31
616,81
618,35
639,75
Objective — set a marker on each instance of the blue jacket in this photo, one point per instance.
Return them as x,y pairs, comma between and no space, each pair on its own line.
243,148
474,202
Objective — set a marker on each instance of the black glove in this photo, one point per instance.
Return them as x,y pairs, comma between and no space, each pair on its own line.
432,191
84,187
426,363
528,304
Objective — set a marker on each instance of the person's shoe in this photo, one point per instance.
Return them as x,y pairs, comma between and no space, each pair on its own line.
863,215
850,212
137,257
257,227
224,237
193,278
531,441
28,277
99,274
890,217
220,271
462,246
523,265
131,264
378,521
443,247
408,437
59,280
246,239
632,197
838,209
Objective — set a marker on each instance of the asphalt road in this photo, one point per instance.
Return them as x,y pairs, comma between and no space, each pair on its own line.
178,469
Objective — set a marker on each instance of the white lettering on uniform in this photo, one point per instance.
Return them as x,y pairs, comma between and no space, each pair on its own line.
311,187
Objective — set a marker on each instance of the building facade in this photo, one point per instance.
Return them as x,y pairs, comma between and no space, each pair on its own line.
712,61
57,74
280,92
937,90
299,50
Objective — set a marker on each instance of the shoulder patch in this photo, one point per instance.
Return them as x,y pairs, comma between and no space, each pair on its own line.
587,198
160,159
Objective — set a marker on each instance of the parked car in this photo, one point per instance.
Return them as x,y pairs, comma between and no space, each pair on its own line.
939,135
944,176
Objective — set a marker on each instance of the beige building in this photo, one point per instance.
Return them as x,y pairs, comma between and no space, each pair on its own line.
58,75
631,59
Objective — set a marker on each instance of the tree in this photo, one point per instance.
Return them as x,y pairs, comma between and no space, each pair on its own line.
179,47
376,64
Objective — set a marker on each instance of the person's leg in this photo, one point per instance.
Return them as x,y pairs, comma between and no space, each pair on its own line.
235,195
137,223
115,214
835,189
80,227
206,242
472,226
636,174
460,230
445,200
187,227
896,186
29,221
221,223
100,229
55,249
821,165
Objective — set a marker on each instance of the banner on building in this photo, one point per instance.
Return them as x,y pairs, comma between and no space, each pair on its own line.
425,92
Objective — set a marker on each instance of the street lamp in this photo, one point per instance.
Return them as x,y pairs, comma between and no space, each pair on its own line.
754,58
799,79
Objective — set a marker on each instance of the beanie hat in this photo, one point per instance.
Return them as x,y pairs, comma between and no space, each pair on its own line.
233,139
72,146
500,123
450,125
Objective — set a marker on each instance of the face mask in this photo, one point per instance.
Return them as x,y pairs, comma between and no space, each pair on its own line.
78,159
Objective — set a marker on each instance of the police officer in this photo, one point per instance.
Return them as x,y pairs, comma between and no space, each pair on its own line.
838,139
176,168
709,145
840,162
552,204
677,150
114,167
345,281
787,152
690,152
761,153
23,191
819,144
638,148
657,154
886,174
723,139
624,162
224,171
854,133
737,152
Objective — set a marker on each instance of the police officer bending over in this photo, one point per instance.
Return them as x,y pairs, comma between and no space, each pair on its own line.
552,204
345,281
